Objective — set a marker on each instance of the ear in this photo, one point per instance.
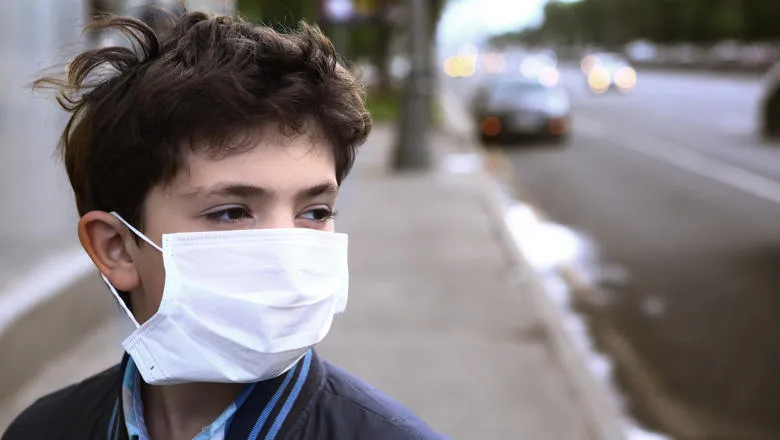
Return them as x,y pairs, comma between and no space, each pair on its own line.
110,246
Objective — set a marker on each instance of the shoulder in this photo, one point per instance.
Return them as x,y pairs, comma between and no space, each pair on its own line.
74,410
369,413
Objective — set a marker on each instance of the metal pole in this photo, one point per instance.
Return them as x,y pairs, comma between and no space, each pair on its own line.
412,151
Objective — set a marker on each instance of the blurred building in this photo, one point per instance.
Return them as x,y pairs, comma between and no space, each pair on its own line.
38,213
38,210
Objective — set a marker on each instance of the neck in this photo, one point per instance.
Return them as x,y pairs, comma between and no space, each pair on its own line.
182,411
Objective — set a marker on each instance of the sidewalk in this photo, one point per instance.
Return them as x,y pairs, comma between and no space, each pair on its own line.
438,317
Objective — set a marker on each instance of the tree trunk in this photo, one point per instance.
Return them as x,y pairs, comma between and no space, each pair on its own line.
382,57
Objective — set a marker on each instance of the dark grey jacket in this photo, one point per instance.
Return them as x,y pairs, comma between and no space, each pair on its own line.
318,401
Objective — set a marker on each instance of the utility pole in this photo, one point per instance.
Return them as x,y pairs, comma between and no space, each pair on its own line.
412,153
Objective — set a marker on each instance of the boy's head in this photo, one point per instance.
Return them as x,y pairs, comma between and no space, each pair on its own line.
220,125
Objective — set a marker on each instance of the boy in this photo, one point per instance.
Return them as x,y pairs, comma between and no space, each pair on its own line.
206,167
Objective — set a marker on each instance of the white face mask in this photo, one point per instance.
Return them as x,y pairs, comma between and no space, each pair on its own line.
239,306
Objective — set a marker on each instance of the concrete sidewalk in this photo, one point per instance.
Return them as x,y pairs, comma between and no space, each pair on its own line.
439,315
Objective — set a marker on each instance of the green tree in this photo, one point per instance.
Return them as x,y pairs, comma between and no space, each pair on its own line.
727,19
615,22
367,39
761,19
278,13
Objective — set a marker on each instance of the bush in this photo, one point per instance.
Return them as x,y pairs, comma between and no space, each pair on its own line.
383,105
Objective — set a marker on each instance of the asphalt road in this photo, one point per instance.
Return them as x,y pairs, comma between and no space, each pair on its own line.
675,188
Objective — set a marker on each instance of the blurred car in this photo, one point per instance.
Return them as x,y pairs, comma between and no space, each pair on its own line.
518,106
605,71
769,105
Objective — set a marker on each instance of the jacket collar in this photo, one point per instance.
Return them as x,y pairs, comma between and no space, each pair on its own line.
272,408
275,405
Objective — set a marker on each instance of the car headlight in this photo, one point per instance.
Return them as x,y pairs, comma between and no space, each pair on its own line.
625,78
599,79
588,63
459,66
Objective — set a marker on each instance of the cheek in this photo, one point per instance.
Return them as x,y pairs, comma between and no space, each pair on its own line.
152,275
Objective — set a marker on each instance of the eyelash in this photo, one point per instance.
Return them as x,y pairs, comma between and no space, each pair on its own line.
215,216
326,214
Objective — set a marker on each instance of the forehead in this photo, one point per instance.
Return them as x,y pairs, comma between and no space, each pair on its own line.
272,160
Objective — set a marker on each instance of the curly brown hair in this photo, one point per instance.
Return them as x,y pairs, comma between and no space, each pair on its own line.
201,86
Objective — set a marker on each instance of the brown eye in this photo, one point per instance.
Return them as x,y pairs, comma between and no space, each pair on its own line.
229,215
319,214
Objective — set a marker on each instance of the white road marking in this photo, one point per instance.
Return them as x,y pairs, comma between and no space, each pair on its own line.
683,158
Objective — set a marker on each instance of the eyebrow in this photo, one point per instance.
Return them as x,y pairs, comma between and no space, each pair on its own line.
243,190
324,188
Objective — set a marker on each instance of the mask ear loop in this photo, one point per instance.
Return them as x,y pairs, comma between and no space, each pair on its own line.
110,286
136,231
120,301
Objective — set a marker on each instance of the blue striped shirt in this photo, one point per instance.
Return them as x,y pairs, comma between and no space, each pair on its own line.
133,410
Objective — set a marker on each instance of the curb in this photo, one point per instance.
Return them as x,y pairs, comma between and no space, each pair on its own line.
603,411
44,313
604,415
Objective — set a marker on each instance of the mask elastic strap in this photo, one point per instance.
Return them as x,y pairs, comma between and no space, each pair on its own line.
136,231
110,286
120,301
